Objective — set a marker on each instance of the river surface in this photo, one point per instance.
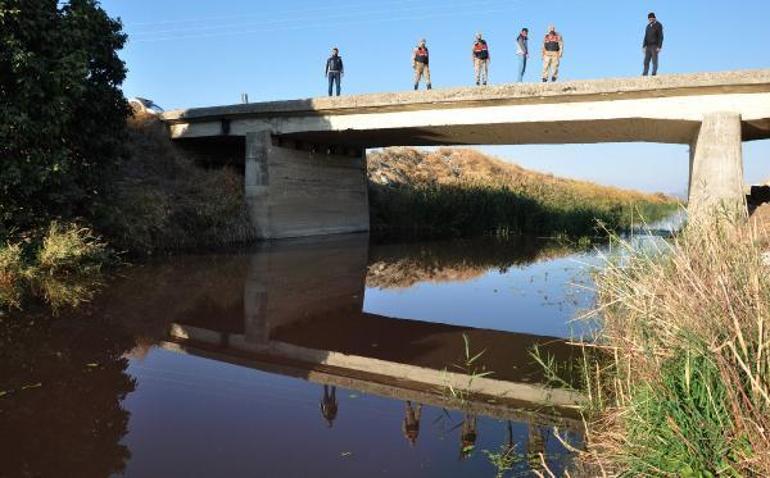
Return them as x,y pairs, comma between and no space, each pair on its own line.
325,358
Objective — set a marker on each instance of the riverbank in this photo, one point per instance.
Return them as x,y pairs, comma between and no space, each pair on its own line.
684,360
462,192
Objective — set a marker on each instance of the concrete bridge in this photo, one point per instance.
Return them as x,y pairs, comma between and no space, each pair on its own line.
305,160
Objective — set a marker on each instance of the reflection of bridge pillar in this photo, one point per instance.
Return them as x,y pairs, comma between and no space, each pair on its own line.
716,168
295,189
291,281
256,325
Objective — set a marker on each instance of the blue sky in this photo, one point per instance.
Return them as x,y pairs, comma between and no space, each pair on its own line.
184,53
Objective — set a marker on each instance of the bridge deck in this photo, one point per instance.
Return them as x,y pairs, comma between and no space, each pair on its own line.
747,81
666,108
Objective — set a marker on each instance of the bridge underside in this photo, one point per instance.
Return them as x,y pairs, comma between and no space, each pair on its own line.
573,132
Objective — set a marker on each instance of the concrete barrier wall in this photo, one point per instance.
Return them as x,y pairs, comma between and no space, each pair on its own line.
301,190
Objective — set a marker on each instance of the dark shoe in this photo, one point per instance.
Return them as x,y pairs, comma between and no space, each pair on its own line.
416,87
545,80
553,78
478,84
485,83
430,87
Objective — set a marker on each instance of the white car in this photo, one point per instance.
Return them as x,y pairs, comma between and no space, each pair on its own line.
145,106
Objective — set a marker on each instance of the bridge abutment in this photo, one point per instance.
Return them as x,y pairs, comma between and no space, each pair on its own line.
295,189
716,169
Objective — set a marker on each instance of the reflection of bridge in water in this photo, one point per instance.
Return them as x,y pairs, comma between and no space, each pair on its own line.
302,316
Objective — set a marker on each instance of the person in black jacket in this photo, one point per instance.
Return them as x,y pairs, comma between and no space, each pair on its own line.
652,44
335,70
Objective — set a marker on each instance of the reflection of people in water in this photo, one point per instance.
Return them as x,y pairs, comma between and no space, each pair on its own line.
509,445
536,447
411,426
468,436
329,404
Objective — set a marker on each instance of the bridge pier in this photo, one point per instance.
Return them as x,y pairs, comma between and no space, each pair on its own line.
297,189
716,169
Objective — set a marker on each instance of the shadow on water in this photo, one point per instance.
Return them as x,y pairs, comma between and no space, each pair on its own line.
292,309
62,384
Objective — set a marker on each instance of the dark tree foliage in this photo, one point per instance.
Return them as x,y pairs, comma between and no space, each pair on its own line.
62,113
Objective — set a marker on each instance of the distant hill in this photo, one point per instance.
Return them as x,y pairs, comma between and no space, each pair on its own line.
487,194
452,166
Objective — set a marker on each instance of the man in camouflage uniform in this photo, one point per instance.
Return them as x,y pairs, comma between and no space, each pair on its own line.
481,59
421,65
553,49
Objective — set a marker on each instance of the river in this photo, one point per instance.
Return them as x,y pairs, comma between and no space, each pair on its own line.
326,357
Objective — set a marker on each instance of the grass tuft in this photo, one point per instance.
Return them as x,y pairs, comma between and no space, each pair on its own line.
62,269
12,276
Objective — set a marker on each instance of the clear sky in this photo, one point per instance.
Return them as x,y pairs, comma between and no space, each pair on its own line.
184,53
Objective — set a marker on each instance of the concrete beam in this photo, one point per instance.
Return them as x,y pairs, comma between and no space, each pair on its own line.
716,169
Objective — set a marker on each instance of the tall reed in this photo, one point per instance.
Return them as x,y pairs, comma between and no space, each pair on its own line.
679,380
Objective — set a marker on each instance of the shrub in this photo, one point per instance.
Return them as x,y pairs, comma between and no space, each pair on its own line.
62,113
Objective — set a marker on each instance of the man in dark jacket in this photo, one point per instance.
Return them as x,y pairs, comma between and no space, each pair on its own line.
522,51
652,44
335,70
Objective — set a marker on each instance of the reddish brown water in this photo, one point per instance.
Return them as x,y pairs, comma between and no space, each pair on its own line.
218,365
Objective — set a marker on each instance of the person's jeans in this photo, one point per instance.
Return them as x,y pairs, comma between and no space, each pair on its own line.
522,67
334,76
651,54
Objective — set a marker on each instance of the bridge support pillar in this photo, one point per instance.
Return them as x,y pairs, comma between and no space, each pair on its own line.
716,169
296,190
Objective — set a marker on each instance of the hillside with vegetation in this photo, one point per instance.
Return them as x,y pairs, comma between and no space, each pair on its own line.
457,192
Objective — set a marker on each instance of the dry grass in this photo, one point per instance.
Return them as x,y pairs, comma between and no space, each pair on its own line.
683,385
12,276
163,201
451,166
64,269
